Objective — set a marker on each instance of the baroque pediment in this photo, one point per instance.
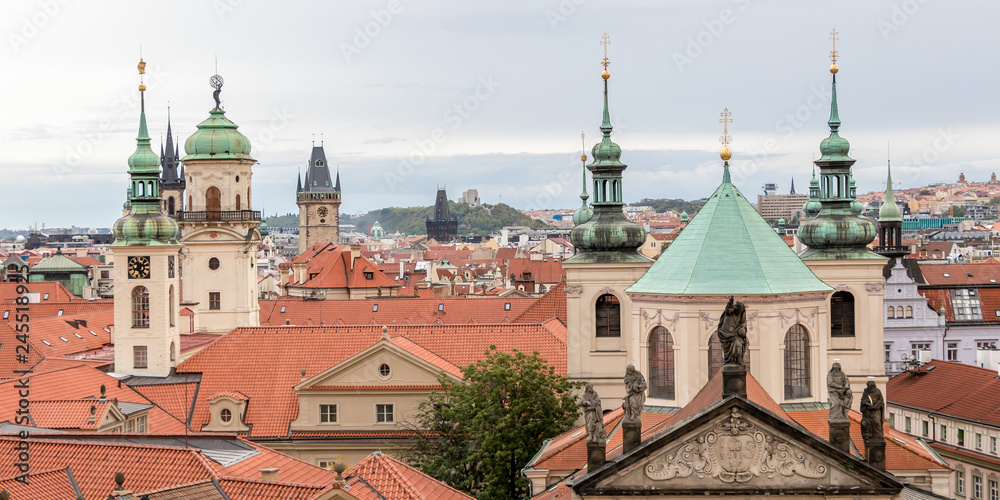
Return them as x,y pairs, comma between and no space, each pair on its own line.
732,446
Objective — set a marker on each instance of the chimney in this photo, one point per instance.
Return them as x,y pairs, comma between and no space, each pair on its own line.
355,253
269,474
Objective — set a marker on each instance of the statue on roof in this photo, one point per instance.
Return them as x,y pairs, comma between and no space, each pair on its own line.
635,395
840,395
872,412
732,333
593,415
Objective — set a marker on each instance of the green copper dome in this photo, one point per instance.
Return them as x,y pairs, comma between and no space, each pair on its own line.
608,236
813,206
582,214
890,211
144,225
217,138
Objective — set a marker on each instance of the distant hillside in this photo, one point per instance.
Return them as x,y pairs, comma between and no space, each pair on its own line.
663,205
480,220
283,221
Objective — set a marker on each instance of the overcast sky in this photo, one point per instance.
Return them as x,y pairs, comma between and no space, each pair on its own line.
409,95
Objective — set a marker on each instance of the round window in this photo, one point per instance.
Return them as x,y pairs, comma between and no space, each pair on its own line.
213,263
225,415
383,370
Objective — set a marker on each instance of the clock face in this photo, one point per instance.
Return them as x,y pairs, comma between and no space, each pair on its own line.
138,267
323,211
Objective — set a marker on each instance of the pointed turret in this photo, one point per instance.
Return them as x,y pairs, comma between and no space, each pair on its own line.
837,232
813,206
584,213
890,222
336,186
318,178
792,190
608,236
172,179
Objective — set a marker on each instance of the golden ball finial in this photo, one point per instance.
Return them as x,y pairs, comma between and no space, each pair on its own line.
834,68
142,87
583,158
605,74
142,67
726,153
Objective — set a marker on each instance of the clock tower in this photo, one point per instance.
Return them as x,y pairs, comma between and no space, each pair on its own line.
220,230
318,199
145,251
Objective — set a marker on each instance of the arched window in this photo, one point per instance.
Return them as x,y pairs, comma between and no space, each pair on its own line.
190,202
170,206
608,312
173,352
213,202
891,314
842,314
237,202
909,311
661,364
140,307
140,189
797,362
604,191
614,190
152,191
715,356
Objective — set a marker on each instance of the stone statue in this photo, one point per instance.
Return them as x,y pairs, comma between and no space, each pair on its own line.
732,333
635,395
840,394
872,412
593,415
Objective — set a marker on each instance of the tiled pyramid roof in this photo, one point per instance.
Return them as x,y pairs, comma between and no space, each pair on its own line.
382,477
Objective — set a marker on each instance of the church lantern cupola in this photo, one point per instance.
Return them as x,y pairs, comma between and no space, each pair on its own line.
837,231
608,236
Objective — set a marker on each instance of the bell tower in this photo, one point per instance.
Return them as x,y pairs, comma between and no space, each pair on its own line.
319,202
218,224
600,329
145,254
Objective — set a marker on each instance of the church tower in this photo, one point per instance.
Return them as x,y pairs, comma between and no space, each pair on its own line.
319,203
599,329
219,227
837,239
145,253
443,227
890,223
171,180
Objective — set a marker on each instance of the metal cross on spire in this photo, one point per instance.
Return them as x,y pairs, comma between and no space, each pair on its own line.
605,41
725,118
833,38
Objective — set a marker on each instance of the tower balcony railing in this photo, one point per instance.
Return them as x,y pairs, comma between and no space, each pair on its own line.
220,216
892,249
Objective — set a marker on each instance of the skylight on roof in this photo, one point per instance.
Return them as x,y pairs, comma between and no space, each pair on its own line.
59,312
92,333
283,308
506,306
374,308
78,335
46,342
946,275
106,329
63,339
45,297
440,307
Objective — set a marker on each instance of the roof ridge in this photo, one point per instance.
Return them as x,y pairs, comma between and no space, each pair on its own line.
409,488
258,480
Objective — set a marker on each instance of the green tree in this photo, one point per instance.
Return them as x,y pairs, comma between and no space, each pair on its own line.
476,435
958,211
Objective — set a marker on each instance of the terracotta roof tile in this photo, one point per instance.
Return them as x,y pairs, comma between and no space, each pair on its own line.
175,399
955,389
54,309
386,387
199,490
396,310
232,363
391,479
548,306
55,290
251,489
961,274
54,484
69,414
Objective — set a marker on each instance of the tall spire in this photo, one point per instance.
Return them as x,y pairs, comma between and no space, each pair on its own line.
584,213
607,236
889,211
725,118
336,186
837,232
792,189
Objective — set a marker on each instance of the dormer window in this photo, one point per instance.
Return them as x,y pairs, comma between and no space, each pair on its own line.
440,307
506,306
319,163
369,275
374,308
45,297
226,415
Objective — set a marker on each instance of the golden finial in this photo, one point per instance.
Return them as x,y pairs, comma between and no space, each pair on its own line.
725,118
833,53
605,41
142,71
583,147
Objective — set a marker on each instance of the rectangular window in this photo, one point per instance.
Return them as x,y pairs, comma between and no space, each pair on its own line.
994,489
944,433
965,303
951,353
105,275
925,428
214,301
979,441
908,422
986,344
130,426
327,414
385,414
961,437
960,482
916,347
888,353
139,356
326,464
993,445
140,425
977,486
892,420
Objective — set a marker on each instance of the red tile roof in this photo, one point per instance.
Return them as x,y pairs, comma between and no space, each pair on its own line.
56,291
548,306
227,365
332,266
175,399
387,387
69,414
959,274
42,485
956,389
256,489
395,310
50,309
382,477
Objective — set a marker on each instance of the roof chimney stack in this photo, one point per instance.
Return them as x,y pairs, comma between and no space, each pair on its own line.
269,474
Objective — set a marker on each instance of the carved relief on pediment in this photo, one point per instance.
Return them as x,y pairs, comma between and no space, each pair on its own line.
734,451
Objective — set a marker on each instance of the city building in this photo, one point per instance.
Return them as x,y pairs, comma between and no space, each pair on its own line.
318,198
774,206
471,198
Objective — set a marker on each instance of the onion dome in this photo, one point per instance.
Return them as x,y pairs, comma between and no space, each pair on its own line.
217,137
262,228
144,225
608,236
837,232
684,216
